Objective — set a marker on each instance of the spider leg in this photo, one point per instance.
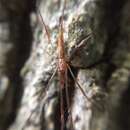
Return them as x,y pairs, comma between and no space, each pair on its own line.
79,86
81,89
67,99
41,95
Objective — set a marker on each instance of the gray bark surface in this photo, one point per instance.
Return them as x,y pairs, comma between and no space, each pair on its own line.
29,100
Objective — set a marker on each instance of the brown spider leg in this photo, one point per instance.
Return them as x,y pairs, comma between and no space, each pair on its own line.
67,99
47,86
81,89
46,28
40,98
81,44
79,86
61,104
54,73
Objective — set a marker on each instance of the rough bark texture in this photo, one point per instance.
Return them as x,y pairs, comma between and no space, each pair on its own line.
101,66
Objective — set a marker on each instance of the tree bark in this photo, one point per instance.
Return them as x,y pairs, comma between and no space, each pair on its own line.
29,100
